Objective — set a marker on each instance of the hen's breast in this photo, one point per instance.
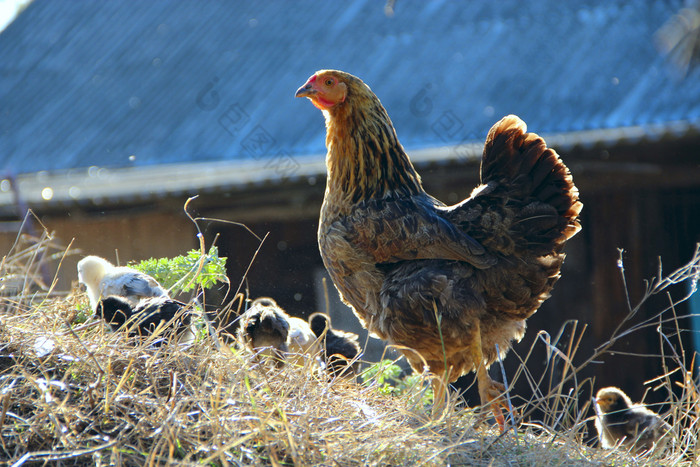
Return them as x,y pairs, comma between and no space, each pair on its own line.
351,267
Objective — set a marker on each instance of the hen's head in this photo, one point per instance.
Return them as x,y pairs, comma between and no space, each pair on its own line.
330,89
612,399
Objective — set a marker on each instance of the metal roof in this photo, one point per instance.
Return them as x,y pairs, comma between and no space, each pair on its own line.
128,87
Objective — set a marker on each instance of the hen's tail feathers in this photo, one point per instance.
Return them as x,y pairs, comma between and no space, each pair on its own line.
534,178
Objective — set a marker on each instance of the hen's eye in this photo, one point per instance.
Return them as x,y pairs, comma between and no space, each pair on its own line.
328,82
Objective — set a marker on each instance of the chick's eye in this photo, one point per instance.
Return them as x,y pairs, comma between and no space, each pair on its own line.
328,82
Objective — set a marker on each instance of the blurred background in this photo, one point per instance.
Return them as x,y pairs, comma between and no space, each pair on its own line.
113,114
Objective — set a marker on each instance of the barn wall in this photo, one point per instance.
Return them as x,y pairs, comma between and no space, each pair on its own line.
125,236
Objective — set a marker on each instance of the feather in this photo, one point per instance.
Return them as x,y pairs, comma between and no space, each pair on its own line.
340,349
268,330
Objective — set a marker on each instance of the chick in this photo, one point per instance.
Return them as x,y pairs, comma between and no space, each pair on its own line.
146,316
340,348
266,324
265,329
102,279
618,420
302,342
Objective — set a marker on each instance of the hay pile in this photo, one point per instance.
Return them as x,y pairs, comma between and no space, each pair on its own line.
91,396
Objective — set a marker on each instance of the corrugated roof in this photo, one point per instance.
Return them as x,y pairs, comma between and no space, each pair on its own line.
123,84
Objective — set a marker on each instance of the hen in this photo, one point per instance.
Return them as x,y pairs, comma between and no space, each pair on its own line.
265,330
618,420
448,282
631,425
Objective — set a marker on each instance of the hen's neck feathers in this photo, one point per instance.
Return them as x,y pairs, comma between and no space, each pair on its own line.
365,159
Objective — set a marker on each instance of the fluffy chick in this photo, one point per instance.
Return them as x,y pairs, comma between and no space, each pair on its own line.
265,329
618,420
302,342
339,348
143,319
266,325
102,279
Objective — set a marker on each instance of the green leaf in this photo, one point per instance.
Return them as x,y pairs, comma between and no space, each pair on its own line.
179,274
386,376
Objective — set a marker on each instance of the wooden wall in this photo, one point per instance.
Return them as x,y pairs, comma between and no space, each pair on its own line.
124,236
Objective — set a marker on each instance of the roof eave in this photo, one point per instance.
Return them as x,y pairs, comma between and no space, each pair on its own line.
99,186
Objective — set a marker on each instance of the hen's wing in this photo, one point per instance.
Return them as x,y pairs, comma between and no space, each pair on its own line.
527,205
409,228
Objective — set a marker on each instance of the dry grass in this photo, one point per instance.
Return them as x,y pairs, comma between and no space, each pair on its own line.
79,395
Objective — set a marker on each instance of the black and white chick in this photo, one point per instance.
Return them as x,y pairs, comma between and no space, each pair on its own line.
143,319
619,421
340,349
103,279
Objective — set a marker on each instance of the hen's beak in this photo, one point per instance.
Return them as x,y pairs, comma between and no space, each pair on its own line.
306,90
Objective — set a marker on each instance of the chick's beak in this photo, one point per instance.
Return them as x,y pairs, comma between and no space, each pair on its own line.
306,90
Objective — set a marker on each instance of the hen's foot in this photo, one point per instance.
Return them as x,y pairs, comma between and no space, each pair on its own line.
491,393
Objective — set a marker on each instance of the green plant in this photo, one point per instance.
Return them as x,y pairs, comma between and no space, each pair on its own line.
182,273
387,376
83,313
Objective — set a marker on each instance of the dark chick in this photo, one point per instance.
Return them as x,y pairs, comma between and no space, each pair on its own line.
264,328
634,426
340,349
447,283
143,319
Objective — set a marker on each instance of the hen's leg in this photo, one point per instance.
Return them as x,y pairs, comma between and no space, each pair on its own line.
439,395
440,384
490,391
